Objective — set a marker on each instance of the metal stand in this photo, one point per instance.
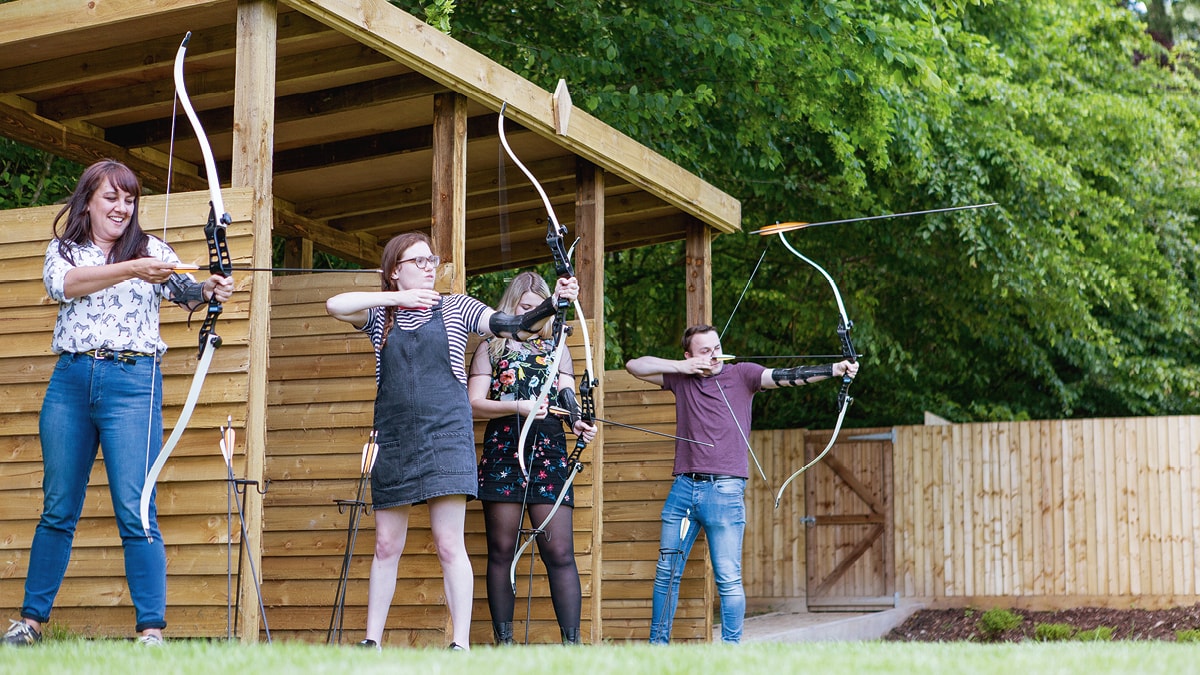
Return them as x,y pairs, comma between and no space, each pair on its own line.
234,600
238,485
356,508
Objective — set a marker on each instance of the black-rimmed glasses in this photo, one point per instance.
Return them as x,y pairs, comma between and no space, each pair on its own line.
423,262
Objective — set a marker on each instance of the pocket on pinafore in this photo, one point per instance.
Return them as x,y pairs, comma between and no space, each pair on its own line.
388,469
455,452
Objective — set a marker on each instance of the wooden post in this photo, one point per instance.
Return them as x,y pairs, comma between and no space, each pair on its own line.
449,203
297,252
698,267
589,270
253,142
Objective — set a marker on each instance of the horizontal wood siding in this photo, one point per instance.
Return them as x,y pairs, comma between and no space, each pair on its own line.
94,599
321,398
637,477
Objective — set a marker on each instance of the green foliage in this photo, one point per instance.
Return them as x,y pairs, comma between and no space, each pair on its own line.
31,177
1188,635
437,13
1076,296
1053,632
998,620
1098,634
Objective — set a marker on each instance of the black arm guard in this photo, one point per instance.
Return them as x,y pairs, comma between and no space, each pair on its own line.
566,399
511,326
787,377
185,291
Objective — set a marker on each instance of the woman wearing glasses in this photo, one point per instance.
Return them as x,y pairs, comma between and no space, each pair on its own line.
423,416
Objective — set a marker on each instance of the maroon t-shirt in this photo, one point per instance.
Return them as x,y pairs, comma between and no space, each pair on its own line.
705,410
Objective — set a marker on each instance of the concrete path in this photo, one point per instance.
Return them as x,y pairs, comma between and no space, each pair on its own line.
821,626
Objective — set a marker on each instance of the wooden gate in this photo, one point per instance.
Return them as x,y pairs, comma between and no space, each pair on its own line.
848,502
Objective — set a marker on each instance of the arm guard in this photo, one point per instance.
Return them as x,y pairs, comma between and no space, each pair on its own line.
511,326
566,399
185,291
787,377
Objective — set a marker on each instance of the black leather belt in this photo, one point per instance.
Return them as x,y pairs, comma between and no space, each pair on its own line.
709,477
105,354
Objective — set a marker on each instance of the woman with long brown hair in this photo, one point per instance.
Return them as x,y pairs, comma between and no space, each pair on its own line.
108,278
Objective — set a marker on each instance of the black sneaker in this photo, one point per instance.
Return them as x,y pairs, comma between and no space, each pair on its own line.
21,634
370,644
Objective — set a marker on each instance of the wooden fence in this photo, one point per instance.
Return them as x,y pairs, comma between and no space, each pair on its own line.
1039,514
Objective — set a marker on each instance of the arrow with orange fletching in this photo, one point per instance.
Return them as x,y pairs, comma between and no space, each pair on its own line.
788,227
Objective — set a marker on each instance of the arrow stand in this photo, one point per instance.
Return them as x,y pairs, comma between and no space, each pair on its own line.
356,508
676,554
238,487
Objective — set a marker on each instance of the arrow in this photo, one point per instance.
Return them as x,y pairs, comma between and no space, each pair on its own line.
788,227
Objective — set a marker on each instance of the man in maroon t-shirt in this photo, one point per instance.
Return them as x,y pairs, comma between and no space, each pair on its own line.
712,404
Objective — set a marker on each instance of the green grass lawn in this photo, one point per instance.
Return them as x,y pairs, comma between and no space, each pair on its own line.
125,658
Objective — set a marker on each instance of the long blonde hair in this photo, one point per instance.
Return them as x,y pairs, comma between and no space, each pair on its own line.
525,282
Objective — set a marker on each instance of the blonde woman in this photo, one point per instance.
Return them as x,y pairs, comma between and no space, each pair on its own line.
505,375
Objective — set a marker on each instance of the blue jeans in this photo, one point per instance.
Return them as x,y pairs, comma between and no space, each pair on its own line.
92,403
720,508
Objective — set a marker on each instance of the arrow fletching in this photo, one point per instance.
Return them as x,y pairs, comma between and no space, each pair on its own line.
370,453
228,438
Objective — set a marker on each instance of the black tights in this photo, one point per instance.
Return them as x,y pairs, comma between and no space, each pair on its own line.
557,549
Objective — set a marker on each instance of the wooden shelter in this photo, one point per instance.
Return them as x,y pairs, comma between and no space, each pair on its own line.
336,124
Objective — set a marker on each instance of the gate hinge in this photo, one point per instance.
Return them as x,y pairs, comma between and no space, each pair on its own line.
808,520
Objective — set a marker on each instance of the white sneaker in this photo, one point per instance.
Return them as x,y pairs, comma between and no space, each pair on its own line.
150,640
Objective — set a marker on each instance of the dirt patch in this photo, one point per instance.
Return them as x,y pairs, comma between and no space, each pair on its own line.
954,625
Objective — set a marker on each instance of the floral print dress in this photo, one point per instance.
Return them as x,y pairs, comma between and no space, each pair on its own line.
519,373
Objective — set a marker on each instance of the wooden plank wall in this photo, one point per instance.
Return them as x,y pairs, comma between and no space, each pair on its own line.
94,599
322,391
1050,513
637,478
773,561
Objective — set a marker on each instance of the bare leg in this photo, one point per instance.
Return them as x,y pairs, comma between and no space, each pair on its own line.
391,530
447,516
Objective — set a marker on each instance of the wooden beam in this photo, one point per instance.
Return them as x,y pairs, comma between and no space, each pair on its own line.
523,204
297,107
210,86
142,61
424,49
589,270
38,31
417,193
254,114
83,145
698,268
298,253
362,249
363,148
448,193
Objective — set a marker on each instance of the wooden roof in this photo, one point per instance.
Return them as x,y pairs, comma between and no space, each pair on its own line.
355,85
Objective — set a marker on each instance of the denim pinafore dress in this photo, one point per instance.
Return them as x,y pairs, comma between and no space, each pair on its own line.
423,418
